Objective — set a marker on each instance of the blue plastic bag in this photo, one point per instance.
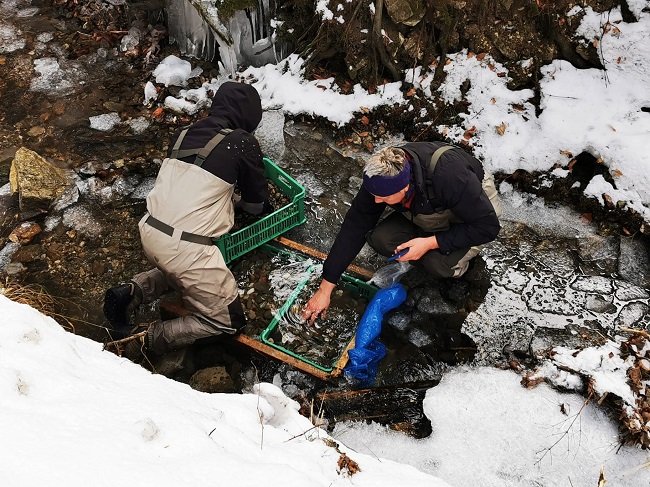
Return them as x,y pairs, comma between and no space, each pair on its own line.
368,350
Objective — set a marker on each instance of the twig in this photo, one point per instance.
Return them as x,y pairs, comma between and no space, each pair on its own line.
126,340
643,333
259,412
566,432
303,433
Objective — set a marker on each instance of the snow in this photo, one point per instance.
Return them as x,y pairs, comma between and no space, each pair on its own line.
65,400
490,431
105,121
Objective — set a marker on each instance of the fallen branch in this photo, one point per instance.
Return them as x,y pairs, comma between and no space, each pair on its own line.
128,339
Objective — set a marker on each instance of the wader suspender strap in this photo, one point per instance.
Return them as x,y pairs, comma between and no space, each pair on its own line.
432,166
201,154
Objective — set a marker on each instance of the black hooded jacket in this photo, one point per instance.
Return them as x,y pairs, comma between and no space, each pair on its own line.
456,185
238,158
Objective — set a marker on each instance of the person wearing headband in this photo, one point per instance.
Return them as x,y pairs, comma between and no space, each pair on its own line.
445,209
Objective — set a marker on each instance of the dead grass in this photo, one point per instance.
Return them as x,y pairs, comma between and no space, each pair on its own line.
38,298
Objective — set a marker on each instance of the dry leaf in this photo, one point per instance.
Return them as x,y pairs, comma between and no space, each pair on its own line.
514,365
364,134
601,478
617,173
494,101
447,62
411,92
158,112
572,163
587,216
501,75
501,129
444,131
608,200
469,132
321,87
364,109
626,232
365,120
517,107
491,66
470,54
618,60
481,56
595,42
370,147
566,153
599,160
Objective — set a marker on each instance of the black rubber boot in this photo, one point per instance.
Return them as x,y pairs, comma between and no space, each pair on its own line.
119,303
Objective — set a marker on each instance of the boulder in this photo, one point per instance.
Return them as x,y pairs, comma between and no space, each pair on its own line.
37,182
212,379
407,12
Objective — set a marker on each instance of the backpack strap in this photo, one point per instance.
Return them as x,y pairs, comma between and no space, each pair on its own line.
200,153
205,152
432,166
174,154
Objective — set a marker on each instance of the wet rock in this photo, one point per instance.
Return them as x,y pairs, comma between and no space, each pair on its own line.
399,320
593,284
411,369
631,314
634,261
628,292
600,304
572,336
37,182
213,380
598,254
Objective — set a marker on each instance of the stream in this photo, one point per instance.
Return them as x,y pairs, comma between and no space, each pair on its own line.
551,278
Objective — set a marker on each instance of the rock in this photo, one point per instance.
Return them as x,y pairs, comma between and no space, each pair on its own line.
407,12
26,254
598,255
36,181
112,106
572,336
634,261
631,314
212,379
36,131
25,232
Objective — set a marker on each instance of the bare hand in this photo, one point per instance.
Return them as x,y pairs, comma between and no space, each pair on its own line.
319,302
417,248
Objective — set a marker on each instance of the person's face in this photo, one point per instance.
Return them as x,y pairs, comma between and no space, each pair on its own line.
392,199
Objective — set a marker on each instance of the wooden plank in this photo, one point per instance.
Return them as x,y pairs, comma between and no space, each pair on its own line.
175,308
361,271
283,357
343,359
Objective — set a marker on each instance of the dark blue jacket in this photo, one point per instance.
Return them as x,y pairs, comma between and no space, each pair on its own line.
456,185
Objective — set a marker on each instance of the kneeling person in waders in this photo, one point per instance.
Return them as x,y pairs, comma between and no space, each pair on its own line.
446,208
190,204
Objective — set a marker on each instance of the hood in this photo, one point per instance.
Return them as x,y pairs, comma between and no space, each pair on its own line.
239,104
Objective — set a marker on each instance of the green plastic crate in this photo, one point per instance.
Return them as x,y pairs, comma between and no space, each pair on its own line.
233,245
351,283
